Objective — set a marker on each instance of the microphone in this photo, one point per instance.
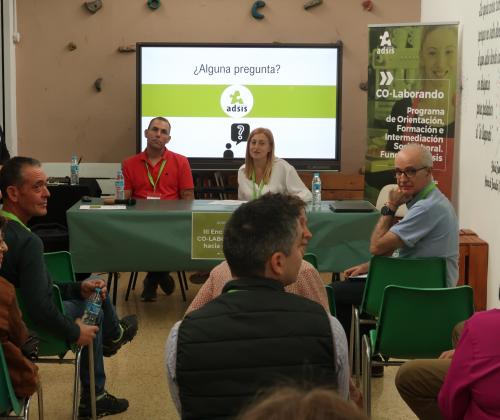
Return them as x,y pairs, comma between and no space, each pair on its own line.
111,200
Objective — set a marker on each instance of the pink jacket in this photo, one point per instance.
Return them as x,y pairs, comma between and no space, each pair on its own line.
471,388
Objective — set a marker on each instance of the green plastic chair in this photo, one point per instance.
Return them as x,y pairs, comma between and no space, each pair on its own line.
331,300
60,266
52,346
384,271
413,323
311,259
9,402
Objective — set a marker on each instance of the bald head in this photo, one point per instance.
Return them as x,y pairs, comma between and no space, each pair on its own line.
417,152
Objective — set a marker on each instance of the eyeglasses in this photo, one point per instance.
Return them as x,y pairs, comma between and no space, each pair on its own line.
410,172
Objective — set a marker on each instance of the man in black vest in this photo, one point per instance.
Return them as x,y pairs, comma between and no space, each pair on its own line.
255,335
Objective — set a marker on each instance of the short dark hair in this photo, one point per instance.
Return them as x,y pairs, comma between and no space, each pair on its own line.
258,229
11,172
160,119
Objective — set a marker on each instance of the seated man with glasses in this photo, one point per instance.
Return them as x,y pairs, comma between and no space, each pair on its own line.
429,229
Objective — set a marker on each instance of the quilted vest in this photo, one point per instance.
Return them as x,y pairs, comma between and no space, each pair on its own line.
255,335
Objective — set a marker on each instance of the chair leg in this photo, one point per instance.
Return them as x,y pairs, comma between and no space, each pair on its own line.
108,285
113,284
357,344
367,375
24,412
351,343
39,394
179,276
135,280
184,279
92,380
115,288
130,282
76,385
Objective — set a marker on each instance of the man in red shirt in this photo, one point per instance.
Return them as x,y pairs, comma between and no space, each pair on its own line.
158,173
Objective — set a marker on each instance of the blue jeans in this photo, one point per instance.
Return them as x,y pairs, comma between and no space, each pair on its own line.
109,329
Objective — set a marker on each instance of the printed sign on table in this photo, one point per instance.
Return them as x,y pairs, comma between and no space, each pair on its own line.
207,235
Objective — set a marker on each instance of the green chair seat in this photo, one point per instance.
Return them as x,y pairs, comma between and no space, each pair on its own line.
52,347
414,323
385,271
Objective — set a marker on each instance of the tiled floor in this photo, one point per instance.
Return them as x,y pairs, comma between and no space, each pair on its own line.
137,372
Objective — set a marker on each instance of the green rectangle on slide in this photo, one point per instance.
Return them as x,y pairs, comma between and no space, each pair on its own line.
269,101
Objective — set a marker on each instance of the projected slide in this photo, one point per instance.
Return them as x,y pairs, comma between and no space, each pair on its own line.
215,95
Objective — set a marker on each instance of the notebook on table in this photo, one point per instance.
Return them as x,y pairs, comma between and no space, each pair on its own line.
352,206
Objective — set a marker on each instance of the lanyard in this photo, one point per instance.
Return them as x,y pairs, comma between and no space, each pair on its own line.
12,216
425,192
257,194
154,183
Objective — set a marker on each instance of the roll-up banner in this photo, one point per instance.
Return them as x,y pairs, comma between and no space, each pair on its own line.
412,72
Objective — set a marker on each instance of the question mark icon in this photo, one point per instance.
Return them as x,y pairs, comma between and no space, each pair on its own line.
240,128
278,68
239,132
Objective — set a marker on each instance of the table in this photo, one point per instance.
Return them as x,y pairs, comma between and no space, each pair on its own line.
155,235
473,266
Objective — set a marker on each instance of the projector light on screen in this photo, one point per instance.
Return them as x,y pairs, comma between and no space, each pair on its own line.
214,95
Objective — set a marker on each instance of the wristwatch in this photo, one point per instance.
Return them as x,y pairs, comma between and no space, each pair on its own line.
386,211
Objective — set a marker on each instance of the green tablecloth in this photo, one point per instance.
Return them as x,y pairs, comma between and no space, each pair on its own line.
155,235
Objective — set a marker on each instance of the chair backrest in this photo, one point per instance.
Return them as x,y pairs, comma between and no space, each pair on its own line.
331,299
409,272
60,266
50,344
383,197
417,323
311,259
8,399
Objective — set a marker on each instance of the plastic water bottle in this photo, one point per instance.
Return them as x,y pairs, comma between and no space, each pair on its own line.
119,186
92,308
75,170
316,190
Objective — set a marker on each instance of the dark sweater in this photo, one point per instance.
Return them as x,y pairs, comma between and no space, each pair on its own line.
24,266
252,336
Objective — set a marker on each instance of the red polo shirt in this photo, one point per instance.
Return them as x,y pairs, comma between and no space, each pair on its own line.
175,177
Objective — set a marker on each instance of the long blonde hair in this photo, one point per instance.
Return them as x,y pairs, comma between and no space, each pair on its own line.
249,166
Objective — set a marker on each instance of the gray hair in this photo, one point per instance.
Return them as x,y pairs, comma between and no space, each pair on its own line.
424,152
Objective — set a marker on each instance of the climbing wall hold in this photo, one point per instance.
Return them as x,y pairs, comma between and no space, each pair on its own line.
257,5
98,84
363,86
126,48
93,6
153,4
367,5
312,3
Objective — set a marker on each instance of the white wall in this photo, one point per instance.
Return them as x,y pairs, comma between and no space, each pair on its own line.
478,205
9,30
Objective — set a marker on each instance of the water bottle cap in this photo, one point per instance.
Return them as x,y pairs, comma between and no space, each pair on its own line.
316,173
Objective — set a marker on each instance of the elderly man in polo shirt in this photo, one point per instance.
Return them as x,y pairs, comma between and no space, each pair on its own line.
429,229
158,173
